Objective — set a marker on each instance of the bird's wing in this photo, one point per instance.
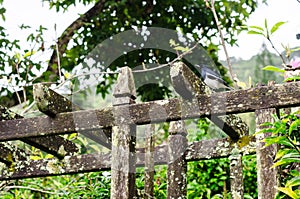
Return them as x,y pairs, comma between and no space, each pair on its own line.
215,76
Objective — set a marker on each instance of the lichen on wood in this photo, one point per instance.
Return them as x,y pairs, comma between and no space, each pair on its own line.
123,139
10,154
52,103
49,144
149,162
238,101
177,166
189,86
236,174
267,176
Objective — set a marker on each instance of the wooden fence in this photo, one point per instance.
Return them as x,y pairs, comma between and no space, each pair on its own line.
115,128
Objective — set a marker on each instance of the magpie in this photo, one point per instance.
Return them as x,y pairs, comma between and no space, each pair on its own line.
212,79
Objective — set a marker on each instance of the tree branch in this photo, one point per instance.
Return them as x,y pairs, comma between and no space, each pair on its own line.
65,38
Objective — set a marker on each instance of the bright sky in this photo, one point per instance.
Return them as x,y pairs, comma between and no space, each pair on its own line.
275,11
33,13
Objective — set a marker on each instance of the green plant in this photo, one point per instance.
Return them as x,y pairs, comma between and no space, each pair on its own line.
267,33
285,133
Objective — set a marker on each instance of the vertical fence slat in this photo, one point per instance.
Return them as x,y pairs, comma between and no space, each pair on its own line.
267,177
177,166
236,175
149,162
123,140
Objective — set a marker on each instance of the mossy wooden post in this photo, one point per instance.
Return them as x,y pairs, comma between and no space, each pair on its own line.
123,139
236,174
177,166
267,177
149,162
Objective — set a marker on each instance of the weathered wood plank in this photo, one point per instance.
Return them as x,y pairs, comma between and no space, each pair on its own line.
185,82
149,162
201,150
55,145
74,164
207,149
240,101
52,103
54,166
10,153
231,102
177,166
63,123
123,139
267,177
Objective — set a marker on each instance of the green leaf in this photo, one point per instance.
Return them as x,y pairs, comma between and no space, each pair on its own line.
293,182
181,48
288,191
294,49
29,53
257,27
72,136
295,173
283,152
273,68
267,30
294,154
277,140
286,161
276,26
294,126
2,11
18,56
253,32
292,79
172,42
266,24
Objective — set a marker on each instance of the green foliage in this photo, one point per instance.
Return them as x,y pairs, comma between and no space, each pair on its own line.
190,17
90,185
208,178
265,31
18,69
211,178
285,133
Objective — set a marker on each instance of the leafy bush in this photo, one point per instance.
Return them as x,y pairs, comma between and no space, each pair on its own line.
285,133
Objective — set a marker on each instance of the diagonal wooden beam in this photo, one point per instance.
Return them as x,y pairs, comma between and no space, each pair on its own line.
10,153
188,85
52,103
54,145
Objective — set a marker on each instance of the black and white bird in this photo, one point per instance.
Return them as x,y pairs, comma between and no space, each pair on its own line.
212,79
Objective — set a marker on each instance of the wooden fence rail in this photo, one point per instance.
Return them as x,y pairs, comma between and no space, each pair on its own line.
115,128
